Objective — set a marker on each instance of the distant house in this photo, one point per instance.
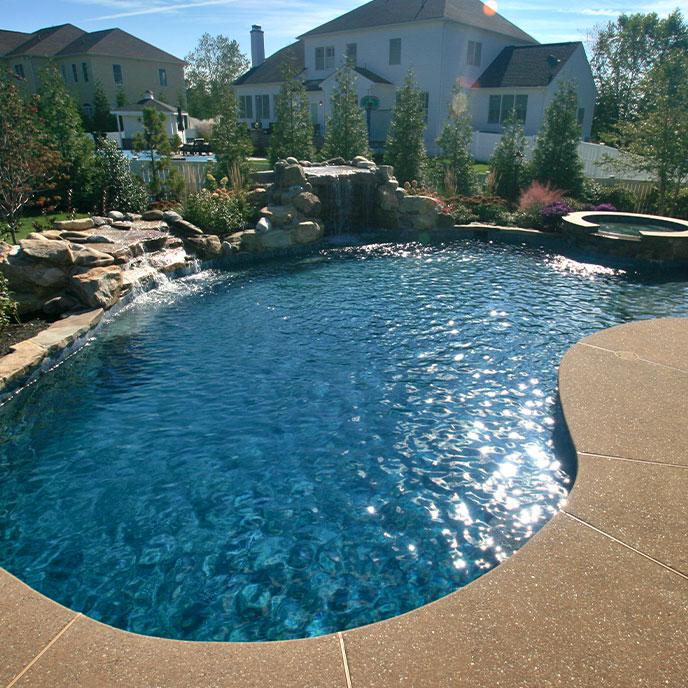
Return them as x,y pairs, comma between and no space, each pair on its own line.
130,119
126,66
446,43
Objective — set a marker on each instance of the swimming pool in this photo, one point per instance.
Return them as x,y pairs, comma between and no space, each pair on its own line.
303,447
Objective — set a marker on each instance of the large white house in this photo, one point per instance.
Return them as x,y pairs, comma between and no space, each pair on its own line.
446,43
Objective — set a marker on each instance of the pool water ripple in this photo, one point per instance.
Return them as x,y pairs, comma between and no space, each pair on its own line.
298,448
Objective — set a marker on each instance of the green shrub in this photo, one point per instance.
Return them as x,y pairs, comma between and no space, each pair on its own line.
8,308
218,212
490,209
119,188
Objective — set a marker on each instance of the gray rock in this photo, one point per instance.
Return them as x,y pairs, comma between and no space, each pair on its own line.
122,225
59,305
75,237
132,217
278,214
277,238
56,252
84,256
263,225
153,216
291,175
99,239
30,276
229,248
115,215
171,217
385,173
307,232
308,204
335,162
98,288
100,221
186,229
291,161
78,225
208,246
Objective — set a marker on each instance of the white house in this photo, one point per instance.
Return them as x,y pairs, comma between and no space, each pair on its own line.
130,119
447,43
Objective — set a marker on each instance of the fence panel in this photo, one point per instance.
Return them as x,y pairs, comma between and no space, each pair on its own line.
194,172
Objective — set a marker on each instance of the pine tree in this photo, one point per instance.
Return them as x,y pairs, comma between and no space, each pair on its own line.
165,181
405,147
120,189
347,131
556,160
507,165
231,142
102,120
455,147
64,132
292,133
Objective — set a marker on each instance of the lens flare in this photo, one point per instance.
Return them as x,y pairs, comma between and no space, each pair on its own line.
490,8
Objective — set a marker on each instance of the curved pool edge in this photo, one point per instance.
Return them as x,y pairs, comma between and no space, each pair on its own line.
598,597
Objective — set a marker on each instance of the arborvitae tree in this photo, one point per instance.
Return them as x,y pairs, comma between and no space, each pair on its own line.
28,163
64,132
455,147
508,162
292,133
405,147
165,181
103,120
231,142
347,131
556,160
120,189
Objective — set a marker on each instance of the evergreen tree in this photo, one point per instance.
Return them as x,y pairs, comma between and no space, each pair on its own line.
508,165
405,148
64,132
556,160
231,142
347,131
165,181
102,120
120,189
455,147
292,133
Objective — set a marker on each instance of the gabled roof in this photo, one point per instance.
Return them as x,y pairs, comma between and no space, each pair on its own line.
48,42
386,12
526,66
9,40
371,76
117,43
148,102
270,72
67,39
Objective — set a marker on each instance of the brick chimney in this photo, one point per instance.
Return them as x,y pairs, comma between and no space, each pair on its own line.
257,46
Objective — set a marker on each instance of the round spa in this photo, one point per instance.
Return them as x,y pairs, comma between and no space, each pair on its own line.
626,224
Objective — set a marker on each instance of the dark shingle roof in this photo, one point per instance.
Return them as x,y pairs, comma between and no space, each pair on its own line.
116,43
385,12
49,41
526,66
147,102
270,72
9,40
371,76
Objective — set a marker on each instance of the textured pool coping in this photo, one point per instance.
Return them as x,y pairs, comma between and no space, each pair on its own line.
598,598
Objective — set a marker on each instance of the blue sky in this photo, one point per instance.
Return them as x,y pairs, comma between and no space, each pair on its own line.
175,25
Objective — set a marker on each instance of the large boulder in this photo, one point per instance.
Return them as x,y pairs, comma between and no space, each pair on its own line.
278,215
308,204
55,252
250,240
307,232
171,217
31,276
153,216
420,212
277,238
99,287
115,215
184,229
207,247
291,175
85,256
78,225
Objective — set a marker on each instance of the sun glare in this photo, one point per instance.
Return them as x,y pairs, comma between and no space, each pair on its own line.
490,8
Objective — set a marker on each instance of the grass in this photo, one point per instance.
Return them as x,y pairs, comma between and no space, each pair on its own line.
259,165
26,224
480,167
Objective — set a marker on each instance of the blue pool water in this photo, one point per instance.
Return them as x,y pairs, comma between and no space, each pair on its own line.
293,449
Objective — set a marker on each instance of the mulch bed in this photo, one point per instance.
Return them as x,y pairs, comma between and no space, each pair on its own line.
18,332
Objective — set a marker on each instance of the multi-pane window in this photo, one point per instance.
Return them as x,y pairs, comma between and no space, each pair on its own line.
75,73
246,107
475,51
425,104
84,71
19,70
352,52
324,58
395,51
117,74
329,57
162,77
262,107
501,107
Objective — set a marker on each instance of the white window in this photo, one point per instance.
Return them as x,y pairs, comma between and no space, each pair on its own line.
262,108
395,51
502,106
329,57
475,50
246,107
162,77
117,74
324,58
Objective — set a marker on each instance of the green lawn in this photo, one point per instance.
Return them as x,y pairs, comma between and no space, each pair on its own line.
26,224
480,167
259,165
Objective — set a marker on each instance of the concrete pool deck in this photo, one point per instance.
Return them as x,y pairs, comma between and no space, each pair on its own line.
598,598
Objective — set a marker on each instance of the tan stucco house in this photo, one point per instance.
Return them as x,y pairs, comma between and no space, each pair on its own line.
126,66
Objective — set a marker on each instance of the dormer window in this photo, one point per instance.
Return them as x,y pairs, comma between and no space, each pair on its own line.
475,50
324,58
352,52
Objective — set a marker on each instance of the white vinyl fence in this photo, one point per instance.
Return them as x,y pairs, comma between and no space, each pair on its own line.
194,172
593,155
